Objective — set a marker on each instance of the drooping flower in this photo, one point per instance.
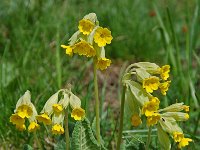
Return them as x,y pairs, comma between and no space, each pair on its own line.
57,108
151,106
44,118
33,126
184,142
103,63
164,87
69,50
78,113
16,119
84,48
57,129
136,120
86,26
186,108
164,72
153,119
21,127
24,111
102,36
178,136
151,84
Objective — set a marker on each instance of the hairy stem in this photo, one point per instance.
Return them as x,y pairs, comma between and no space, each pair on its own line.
96,102
148,139
66,130
121,117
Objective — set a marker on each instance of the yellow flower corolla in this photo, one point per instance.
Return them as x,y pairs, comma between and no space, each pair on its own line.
136,120
186,108
184,142
69,50
57,108
151,106
164,72
16,119
24,111
151,84
103,63
78,113
178,136
102,36
153,119
164,87
44,118
86,26
84,48
20,127
57,129
33,126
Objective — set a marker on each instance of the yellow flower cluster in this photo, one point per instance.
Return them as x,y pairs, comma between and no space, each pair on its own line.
25,109
150,77
90,41
52,113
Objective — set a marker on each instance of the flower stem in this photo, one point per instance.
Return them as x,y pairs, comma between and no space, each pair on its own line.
121,117
38,141
148,139
66,130
96,102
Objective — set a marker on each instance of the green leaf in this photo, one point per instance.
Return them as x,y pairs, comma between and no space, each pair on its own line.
83,138
27,147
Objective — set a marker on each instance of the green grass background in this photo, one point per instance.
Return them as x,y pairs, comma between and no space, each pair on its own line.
30,56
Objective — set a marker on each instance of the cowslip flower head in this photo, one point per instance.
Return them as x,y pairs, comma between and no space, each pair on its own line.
57,129
136,120
57,108
178,116
103,63
151,84
44,118
164,87
102,36
86,26
164,72
24,111
78,113
184,142
84,48
153,119
178,136
33,126
69,50
151,106
175,108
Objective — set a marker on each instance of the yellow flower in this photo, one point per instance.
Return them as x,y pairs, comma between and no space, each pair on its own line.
84,48
151,84
20,127
186,108
69,50
16,119
33,126
178,136
153,119
78,113
44,118
184,142
57,108
136,120
24,111
164,72
102,36
164,87
151,106
103,63
57,129
86,26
